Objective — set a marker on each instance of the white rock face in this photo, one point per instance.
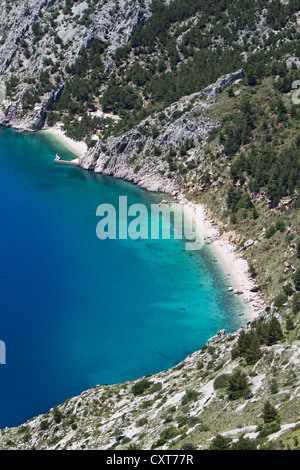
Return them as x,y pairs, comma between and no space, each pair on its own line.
131,157
112,26
212,90
112,23
20,19
293,60
117,31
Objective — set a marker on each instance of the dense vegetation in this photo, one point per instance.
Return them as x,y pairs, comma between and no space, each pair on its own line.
172,55
272,161
248,344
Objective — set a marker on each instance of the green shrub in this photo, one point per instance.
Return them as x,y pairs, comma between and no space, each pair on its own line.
237,385
268,429
166,435
220,443
156,387
141,422
190,395
57,415
288,289
269,413
211,349
203,428
270,232
280,300
221,381
141,386
188,446
244,443
44,425
280,225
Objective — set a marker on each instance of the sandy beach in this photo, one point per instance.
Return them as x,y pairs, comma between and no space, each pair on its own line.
237,269
79,148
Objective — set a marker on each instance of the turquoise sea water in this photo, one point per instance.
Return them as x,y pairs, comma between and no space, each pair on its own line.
76,311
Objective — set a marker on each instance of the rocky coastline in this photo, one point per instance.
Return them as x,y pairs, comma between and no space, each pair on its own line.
129,157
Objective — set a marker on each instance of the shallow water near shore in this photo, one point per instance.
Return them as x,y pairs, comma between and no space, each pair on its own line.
76,311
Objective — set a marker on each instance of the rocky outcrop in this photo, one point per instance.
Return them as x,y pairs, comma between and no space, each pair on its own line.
33,121
139,155
212,90
110,22
24,16
293,61
126,18
36,120
119,158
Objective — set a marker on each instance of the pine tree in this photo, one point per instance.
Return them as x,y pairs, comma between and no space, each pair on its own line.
253,352
237,385
269,413
289,323
251,79
273,189
274,332
243,342
297,280
261,331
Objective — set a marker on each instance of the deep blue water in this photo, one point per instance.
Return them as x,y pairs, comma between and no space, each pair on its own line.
76,311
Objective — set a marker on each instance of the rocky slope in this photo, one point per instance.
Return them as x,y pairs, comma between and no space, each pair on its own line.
136,155
35,33
41,39
184,407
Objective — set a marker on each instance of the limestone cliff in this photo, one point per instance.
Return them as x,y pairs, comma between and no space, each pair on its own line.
38,32
136,155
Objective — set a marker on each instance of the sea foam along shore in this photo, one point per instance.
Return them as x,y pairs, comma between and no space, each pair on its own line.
237,268
239,280
79,148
